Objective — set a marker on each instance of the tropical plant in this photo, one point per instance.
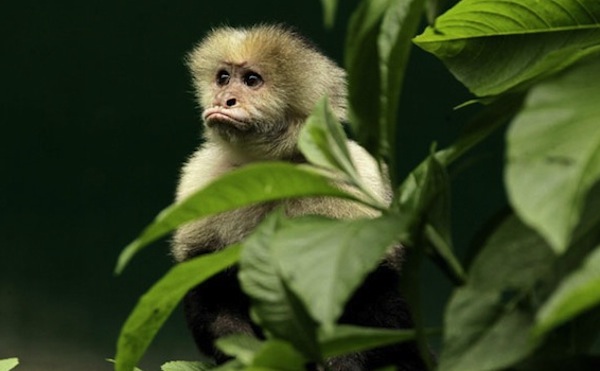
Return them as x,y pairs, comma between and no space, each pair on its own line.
530,297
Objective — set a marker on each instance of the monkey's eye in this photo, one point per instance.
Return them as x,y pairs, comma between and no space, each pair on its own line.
252,79
223,78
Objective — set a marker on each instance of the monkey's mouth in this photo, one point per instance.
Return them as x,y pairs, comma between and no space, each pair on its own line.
215,117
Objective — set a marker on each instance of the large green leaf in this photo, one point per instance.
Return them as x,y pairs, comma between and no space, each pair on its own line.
157,304
578,292
248,185
481,334
554,153
514,258
324,261
275,307
492,46
489,321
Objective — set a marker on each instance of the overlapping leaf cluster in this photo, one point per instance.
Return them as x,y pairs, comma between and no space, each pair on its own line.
534,286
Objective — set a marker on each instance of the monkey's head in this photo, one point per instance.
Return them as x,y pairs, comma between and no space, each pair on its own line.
258,85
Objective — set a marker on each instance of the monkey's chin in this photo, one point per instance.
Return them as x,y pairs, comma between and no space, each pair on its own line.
232,131
222,122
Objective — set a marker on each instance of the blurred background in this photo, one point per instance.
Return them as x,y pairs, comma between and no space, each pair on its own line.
97,115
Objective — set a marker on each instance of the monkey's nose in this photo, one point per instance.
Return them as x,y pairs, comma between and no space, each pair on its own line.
231,102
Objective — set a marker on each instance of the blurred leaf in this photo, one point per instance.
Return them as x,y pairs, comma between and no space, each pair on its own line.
433,9
240,346
553,155
437,231
156,305
514,257
275,306
345,339
233,365
252,354
186,366
422,200
497,45
578,292
329,12
418,194
378,45
488,321
398,27
324,261
8,364
247,185
483,334
278,355
362,63
114,362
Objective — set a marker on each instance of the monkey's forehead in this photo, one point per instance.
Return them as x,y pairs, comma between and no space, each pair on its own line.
250,46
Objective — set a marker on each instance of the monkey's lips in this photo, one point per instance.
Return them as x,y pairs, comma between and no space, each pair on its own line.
218,116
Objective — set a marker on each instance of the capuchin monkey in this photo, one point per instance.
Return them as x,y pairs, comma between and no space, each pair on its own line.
257,86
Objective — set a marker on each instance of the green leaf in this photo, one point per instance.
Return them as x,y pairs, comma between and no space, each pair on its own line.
578,292
513,258
278,355
437,230
398,26
275,307
329,12
248,185
433,9
186,366
481,334
255,354
378,45
324,261
496,45
423,199
362,63
8,364
419,191
489,321
554,153
156,305
323,142
346,339
242,347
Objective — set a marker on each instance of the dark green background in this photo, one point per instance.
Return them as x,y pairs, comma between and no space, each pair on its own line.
97,115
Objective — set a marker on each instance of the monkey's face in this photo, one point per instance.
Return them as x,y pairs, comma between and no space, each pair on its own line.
257,86
239,102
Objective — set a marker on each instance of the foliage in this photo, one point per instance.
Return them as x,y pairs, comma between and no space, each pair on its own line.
530,297
8,364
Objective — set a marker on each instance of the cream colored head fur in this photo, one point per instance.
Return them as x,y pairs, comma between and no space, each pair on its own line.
295,76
